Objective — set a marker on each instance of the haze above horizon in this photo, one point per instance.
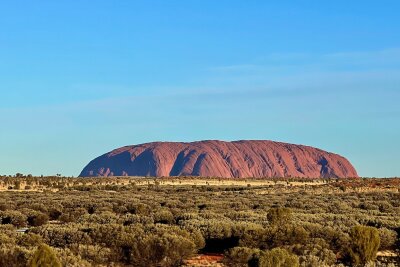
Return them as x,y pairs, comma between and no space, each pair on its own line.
79,79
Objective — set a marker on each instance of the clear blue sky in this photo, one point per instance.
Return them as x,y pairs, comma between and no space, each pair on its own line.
80,78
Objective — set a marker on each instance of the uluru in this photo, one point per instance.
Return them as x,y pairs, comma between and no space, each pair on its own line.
236,159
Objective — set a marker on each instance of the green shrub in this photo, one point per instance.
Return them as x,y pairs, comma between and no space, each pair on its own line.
154,250
278,257
29,240
243,256
364,244
314,255
62,235
69,259
15,218
387,237
72,215
38,219
95,254
286,235
279,216
13,256
164,216
44,256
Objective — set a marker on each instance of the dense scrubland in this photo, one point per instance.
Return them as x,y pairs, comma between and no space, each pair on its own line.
173,222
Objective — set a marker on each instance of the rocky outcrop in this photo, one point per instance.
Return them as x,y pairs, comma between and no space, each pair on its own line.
238,159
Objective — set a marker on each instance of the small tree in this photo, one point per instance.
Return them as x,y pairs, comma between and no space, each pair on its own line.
17,185
364,244
44,256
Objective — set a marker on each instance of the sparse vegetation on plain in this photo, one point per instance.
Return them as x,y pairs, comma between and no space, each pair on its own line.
198,221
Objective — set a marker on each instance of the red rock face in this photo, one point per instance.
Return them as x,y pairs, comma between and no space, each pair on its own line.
238,159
